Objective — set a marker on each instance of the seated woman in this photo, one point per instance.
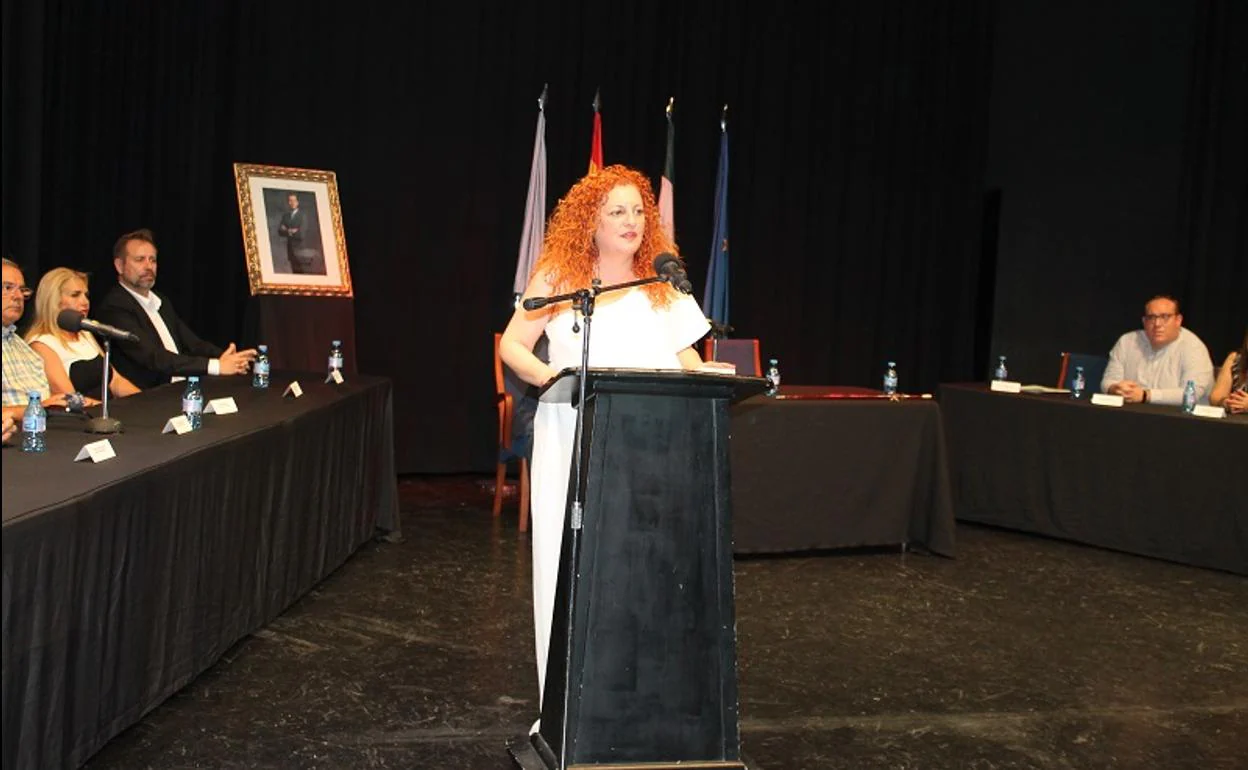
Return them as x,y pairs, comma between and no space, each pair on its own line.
1230,390
72,360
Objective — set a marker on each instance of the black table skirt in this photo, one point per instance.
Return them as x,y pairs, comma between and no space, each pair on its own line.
822,474
126,579
1143,479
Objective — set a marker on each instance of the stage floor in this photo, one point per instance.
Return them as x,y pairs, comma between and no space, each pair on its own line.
1023,652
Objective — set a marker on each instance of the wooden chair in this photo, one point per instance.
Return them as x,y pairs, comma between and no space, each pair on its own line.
1093,370
507,451
742,352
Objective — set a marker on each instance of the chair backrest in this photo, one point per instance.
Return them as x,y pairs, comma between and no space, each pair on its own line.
517,403
742,353
1093,370
499,385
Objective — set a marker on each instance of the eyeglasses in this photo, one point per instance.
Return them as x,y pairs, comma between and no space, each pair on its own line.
1153,318
25,291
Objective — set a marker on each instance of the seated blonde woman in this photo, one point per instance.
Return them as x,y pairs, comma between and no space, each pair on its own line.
72,360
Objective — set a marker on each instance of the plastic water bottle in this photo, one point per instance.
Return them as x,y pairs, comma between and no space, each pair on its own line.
193,403
773,376
1000,373
1079,384
890,379
34,424
335,356
1189,397
260,369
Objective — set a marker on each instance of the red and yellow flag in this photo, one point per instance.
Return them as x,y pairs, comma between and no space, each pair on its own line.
595,146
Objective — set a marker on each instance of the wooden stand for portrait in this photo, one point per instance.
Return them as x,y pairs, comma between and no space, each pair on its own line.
298,330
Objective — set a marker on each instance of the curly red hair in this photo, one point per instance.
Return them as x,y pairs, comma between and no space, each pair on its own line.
569,251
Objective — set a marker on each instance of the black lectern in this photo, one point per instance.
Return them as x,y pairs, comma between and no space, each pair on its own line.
642,671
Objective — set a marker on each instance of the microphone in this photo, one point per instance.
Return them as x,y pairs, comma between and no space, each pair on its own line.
533,303
671,269
72,321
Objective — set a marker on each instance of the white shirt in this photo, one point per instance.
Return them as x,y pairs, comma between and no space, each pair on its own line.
71,351
1163,372
151,305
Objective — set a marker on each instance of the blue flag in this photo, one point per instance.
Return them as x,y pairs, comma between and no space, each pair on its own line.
715,302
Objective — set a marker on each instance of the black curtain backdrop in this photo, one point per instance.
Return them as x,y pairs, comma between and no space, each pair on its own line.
1119,157
859,136
1212,269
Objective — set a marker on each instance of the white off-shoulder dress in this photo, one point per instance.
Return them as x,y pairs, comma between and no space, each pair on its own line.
626,332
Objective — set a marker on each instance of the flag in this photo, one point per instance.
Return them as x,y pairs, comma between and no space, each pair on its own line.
534,206
715,301
667,206
595,145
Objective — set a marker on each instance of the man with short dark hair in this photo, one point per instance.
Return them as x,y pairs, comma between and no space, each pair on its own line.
1154,364
167,349
292,227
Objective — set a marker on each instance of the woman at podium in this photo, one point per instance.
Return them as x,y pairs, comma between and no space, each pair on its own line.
605,231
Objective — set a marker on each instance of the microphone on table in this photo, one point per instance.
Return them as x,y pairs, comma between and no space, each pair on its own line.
72,321
671,269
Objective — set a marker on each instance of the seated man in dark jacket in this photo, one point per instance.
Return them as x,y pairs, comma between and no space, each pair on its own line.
166,348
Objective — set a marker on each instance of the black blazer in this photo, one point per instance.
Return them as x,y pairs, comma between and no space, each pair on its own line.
146,363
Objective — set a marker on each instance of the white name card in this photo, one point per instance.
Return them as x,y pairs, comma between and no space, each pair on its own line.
294,389
1105,399
178,425
221,406
335,376
96,451
1006,386
1214,412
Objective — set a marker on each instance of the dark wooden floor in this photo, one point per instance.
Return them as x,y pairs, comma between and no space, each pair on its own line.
1021,653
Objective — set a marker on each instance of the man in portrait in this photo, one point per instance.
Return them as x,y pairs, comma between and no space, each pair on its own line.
292,228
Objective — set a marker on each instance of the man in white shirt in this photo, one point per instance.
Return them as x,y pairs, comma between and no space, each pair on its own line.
166,349
1154,364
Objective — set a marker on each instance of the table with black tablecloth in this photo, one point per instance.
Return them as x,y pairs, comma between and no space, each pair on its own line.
125,579
824,468
1141,478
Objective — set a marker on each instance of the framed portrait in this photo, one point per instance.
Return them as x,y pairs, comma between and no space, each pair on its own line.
292,231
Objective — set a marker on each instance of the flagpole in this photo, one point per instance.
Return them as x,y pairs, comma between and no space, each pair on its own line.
534,230
715,299
667,181
595,144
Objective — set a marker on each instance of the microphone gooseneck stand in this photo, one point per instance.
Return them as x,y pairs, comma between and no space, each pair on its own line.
104,423
583,303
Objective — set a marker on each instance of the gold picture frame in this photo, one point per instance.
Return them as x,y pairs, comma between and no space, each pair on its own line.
292,231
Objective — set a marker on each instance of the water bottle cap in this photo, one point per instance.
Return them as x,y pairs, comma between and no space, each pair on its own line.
336,343
891,364
1078,368
193,378
263,348
34,394
773,361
